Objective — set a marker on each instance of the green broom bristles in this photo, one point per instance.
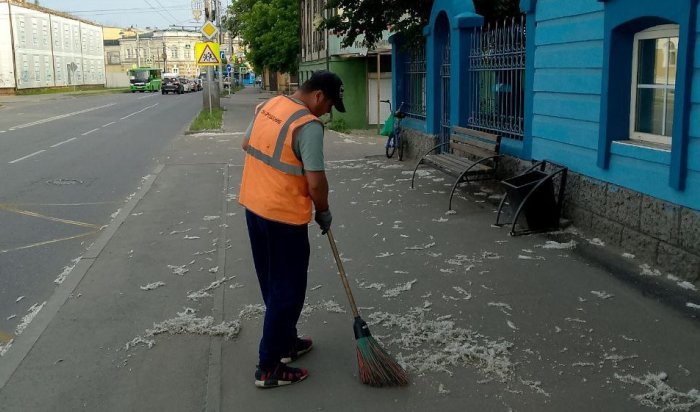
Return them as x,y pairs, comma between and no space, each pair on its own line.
376,366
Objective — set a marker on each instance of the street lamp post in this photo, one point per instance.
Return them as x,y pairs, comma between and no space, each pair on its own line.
138,50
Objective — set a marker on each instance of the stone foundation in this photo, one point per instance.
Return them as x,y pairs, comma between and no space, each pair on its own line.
659,233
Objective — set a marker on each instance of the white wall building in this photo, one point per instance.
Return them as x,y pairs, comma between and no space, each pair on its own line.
43,48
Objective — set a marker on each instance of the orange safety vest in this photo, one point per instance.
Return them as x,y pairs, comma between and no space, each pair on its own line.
273,184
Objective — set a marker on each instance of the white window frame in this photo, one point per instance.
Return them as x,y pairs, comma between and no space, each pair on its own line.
666,30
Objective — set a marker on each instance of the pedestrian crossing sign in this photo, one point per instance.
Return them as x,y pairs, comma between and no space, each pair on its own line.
207,53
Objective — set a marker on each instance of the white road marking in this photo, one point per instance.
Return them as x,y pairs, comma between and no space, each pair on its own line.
108,124
27,156
61,116
3,131
88,132
144,109
63,142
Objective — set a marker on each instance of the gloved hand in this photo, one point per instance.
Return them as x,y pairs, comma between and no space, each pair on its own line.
324,219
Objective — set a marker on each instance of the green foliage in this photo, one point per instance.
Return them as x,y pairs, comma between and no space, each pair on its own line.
371,17
338,125
270,29
206,121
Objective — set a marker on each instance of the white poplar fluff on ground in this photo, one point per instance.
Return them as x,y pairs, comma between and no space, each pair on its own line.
378,286
596,242
649,271
384,254
503,307
327,305
250,312
602,294
27,319
420,247
687,285
210,218
661,395
66,271
438,345
204,292
396,291
152,286
178,270
550,244
4,347
187,323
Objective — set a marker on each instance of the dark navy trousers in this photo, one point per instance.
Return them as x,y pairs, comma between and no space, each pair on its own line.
281,257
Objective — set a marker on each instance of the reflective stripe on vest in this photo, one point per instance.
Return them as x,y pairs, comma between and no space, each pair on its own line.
274,160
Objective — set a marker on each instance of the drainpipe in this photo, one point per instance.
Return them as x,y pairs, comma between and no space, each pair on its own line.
12,41
379,93
328,61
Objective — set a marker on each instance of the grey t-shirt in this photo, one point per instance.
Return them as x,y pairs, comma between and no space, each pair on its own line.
307,144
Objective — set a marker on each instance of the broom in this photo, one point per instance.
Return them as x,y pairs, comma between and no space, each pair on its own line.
376,366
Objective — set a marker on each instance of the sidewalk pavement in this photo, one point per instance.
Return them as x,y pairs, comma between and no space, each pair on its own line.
483,321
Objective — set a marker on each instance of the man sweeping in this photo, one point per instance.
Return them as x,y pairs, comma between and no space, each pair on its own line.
283,176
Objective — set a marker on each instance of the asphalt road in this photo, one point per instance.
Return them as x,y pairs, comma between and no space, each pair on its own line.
67,164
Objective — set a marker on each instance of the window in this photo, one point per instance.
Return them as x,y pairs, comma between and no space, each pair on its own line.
59,69
22,34
48,69
35,33
66,37
653,84
45,33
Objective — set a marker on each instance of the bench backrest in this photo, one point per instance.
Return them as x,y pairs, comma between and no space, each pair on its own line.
474,142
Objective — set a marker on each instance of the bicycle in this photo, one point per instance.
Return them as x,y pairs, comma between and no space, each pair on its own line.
394,139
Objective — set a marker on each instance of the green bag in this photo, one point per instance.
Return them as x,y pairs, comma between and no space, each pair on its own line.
388,126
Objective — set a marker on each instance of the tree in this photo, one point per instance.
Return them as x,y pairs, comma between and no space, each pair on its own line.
371,17
270,30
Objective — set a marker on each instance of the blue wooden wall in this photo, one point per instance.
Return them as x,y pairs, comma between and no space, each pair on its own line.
566,96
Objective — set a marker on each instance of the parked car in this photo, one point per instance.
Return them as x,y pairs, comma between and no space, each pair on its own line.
170,84
186,85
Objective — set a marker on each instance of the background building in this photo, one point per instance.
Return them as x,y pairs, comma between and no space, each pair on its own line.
45,48
169,49
356,65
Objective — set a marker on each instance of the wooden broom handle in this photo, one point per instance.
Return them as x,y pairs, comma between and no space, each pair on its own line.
343,277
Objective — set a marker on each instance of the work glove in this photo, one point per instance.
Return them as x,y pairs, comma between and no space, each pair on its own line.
324,219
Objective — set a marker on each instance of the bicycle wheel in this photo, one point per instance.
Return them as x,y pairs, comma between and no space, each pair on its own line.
390,145
400,143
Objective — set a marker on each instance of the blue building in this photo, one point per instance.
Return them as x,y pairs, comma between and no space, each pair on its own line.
608,88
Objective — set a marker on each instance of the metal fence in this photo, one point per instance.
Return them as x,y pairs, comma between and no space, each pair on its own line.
414,95
497,78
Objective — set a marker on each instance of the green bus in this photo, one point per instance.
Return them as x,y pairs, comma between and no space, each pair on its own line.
144,79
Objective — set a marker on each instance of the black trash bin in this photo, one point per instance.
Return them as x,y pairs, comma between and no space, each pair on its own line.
541,211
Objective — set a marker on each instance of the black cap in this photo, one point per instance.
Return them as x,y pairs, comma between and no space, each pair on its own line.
331,86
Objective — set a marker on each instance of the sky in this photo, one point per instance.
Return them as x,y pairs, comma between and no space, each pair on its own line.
126,13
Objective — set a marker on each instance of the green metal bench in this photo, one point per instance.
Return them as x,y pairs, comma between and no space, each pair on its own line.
469,155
